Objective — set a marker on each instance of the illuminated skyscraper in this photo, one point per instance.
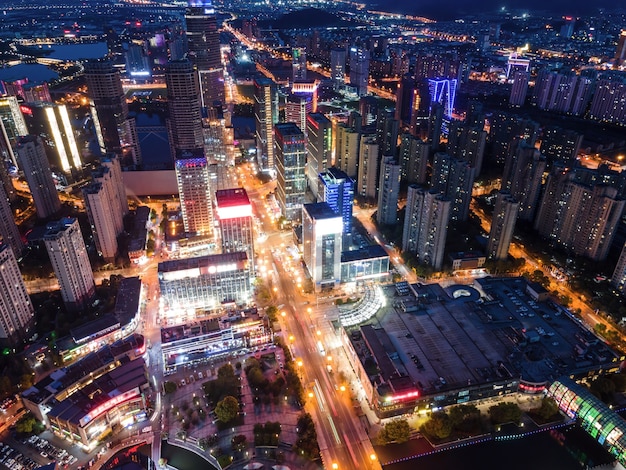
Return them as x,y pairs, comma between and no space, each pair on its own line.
467,143
337,190
318,136
338,66
347,149
192,177
234,212
290,170
17,316
389,182
68,254
296,109
115,130
184,122
52,123
414,154
454,178
265,117
28,92
519,88
298,64
359,69
8,229
443,91
34,164
13,123
368,167
203,40
7,157
502,225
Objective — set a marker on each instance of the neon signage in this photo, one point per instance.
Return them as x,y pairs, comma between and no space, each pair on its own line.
113,402
402,397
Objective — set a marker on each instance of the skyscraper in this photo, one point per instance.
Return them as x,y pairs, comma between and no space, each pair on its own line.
347,149
609,101
359,69
234,212
319,139
337,190
618,280
7,157
184,120
203,41
387,129
443,91
34,163
192,177
519,88
560,145
338,66
298,64
505,127
454,178
414,154
115,130
13,123
502,225
426,225
66,248
389,182
322,230
368,167
522,177
290,170
17,315
467,143
265,117
8,229
296,109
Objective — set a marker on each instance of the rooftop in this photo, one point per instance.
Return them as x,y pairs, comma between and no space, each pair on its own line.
231,197
320,210
202,261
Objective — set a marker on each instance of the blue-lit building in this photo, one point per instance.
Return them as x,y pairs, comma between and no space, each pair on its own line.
443,91
337,190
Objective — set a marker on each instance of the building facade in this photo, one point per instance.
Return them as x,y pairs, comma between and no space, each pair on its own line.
337,190
389,181
194,191
234,213
319,140
290,170
502,226
17,315
265,117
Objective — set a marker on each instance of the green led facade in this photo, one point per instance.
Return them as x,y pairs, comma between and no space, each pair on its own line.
595,417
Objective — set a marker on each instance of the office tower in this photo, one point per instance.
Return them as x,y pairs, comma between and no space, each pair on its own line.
609,101
194,190
620,52
519,88
105,207
559,144
338,66
618,280
454,178
368,109
504,128
319,139
51,122
290,170
426,225
137,61
296,109
337,190
234,212
467,143
13,123
68,254
7,157
414,154
34,164
298,64
578,216
359,69
387,129
265,117
8,229
522,177
322,230
347,149
389,182
368,167
502,225
17,315
407,99
203,45
435,125
184,120
443,91
115,130
307,89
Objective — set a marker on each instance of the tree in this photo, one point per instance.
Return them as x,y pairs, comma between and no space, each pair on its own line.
169,387
439,425
26,424
547,410
464,417
227,409
239,443
226,372
397,431
603,388
505,413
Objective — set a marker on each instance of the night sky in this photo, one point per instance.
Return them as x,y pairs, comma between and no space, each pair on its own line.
450,9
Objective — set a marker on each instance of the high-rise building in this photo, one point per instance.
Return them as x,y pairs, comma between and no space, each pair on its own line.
7,157
347,149
338,66
319,140
26,91
13,123
184,120
389,181
17,315
359,69
368,167
467,143
368,108
407,99
337,190
298,64
620,52
34,164
322,230
436,65
296,109
559,144
609,101
562,92
290,170
426,225
618,280
8,229
115,130
68,254
522,177
454,178
192,177
203,42
414,154
519,88
113,165
52,123
502,225
443,91
137,61
387,130
234,212
435,125
265,117
104,205
505,127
